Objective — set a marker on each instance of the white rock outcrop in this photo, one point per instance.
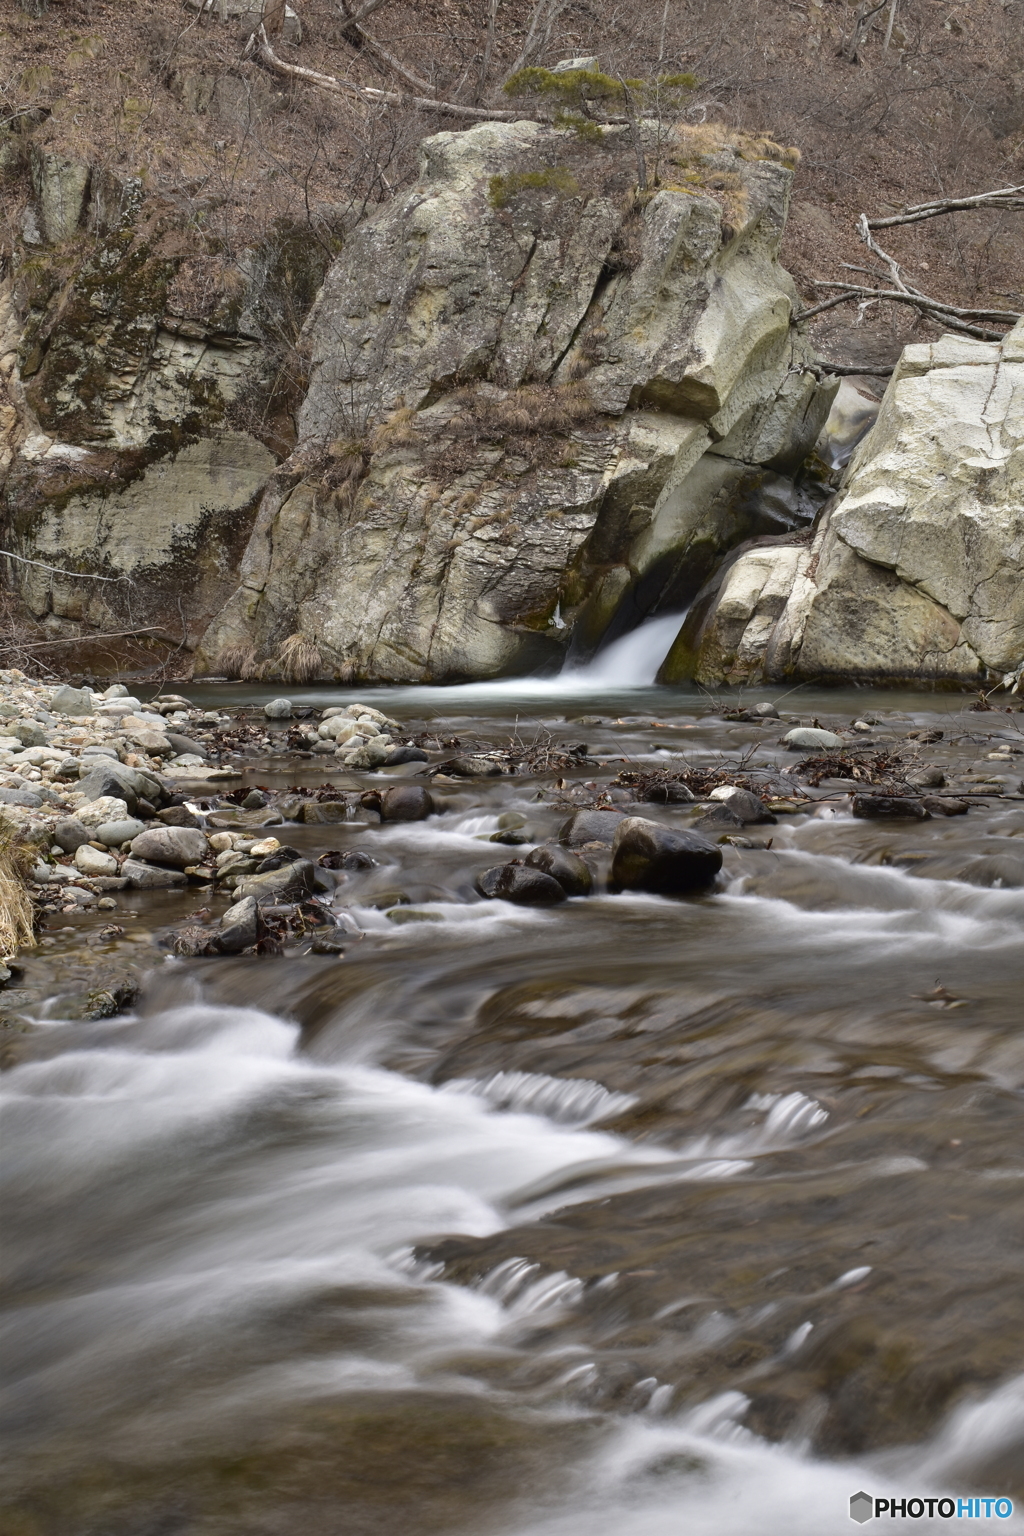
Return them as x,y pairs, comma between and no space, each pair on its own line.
534,398
916,571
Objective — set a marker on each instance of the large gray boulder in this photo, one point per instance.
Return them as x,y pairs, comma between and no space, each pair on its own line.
108,777
72,701
176,846
151,877
917,571
558,393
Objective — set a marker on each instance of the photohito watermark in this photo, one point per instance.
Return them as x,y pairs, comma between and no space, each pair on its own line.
863,1506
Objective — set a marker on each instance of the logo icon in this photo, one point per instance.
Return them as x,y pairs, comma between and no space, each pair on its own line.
862,1507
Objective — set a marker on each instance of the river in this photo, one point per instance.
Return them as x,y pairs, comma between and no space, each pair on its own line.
628,1217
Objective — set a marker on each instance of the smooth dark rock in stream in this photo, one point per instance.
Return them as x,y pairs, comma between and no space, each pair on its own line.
675,792
291,882
945,805
324,813
720,817
176,846
750,808
400,755
876,807
255,800
177,816
327,941
104,1001
927,778
406,802
472,768
567,868
649,857
354,859
521,884
278,859
589,827
71,834
239,927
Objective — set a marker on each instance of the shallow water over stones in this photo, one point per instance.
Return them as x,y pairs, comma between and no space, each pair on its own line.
628,1214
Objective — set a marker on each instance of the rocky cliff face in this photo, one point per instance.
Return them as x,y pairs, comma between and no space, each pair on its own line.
917,569
537,401
138,423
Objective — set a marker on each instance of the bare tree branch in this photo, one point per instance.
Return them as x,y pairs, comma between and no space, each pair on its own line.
1005,197
485,66
850,50
259,44
538,34
948,314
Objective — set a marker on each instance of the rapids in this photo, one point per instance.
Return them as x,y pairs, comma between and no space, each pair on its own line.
624,1218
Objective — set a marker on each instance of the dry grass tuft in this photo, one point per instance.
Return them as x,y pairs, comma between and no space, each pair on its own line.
237,661
15,902
298,660
530,411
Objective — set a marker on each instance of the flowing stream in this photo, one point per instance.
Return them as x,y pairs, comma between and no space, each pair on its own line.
623,1218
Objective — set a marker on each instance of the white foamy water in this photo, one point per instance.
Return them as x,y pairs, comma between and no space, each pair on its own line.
705,1474
211,1178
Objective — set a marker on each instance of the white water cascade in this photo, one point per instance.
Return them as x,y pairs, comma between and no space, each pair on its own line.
630,662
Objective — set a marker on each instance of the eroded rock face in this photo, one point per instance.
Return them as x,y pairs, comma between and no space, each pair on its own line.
917,571
533,399
133,378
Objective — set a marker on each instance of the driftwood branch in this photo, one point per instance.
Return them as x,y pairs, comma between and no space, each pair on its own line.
1006,197
59,570
117,634
259,44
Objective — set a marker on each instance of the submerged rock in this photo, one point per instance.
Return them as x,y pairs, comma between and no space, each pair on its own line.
874,807
649,857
